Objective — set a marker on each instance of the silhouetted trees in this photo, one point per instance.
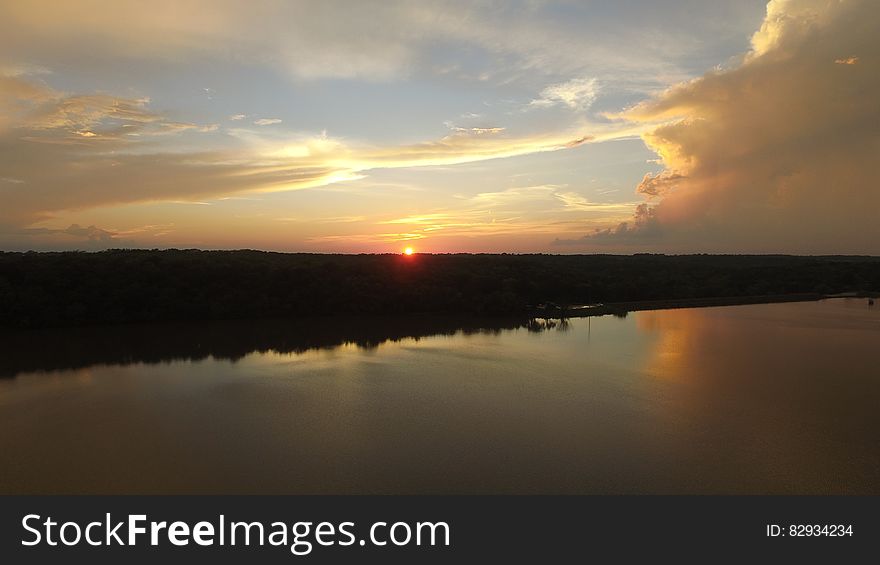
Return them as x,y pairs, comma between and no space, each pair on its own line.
76,288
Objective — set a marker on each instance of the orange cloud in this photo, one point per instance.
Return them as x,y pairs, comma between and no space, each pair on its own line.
776,153
61,152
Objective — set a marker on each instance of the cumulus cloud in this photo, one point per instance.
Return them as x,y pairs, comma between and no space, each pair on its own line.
777,153
659,184
640,230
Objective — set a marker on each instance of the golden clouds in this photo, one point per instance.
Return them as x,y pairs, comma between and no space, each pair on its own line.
551,210
305,39
463,147
51,116
777,153
78,151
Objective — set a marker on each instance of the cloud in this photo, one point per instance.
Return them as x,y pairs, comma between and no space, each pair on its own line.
777,153
76,151
574,202
61,152
91,233
76,236
640,230
50,116
267,121
501,212
372,41
660,183
305,39
577,94
475,130
457,149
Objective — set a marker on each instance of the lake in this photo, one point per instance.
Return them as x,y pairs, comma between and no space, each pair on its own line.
769,398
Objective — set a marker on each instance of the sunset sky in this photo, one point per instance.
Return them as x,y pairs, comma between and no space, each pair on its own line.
531,126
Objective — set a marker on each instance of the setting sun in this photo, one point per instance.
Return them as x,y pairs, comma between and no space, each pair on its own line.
408,251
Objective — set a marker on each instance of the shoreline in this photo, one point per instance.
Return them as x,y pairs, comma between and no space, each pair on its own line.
623,308
76,347
450,318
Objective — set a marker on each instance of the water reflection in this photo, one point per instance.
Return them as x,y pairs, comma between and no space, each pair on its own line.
537,325
68,349
777,398
788,390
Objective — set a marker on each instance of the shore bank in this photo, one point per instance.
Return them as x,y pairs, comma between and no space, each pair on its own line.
623,308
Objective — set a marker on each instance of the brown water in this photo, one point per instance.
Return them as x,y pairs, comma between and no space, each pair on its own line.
773,398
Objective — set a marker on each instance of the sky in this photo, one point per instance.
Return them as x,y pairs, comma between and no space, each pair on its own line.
485,126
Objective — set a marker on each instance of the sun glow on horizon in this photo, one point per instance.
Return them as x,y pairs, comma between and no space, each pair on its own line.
408,251
322,131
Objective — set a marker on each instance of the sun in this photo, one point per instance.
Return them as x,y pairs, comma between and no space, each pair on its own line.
408,251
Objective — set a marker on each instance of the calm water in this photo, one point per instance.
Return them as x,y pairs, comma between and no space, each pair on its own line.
778,398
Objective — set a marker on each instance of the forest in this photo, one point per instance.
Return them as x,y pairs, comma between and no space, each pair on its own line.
120,286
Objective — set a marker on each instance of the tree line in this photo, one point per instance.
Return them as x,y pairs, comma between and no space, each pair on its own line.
81,288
